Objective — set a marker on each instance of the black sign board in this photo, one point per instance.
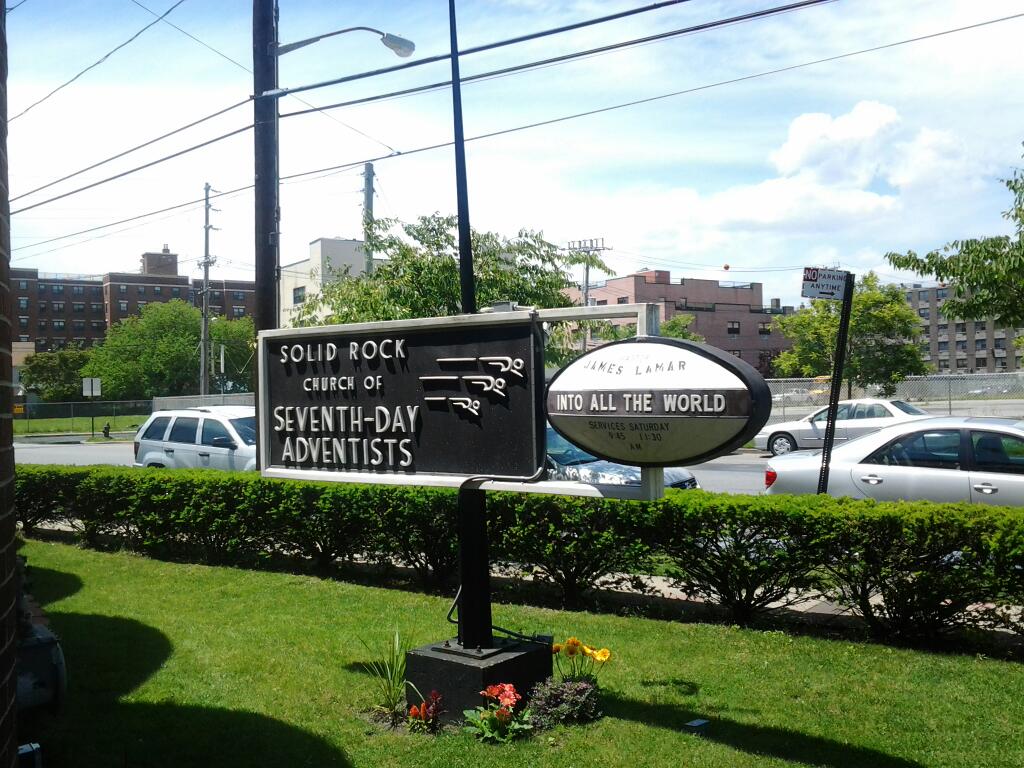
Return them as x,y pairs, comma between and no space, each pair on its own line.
403,401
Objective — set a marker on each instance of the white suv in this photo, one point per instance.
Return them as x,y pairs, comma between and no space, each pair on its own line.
213,437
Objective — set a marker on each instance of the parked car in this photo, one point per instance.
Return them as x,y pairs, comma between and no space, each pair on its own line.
943,458
214,437
798,395
566,461
853,418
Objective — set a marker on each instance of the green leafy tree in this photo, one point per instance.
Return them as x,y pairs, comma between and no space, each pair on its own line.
882,349
986,275
421,277
238,338
56,376
676,327
157,352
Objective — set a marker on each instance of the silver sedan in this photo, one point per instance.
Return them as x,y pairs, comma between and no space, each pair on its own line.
853,418
970,458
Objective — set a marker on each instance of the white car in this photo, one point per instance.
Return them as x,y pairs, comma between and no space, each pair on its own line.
944,458
213,437
853,418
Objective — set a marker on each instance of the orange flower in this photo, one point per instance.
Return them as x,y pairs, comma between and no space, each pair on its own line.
502,715
556,649
602,656
574,642
491,691
571,650
414,711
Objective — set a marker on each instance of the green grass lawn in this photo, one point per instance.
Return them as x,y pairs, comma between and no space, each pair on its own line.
78,424
179,665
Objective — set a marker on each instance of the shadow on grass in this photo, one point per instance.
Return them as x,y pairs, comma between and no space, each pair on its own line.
780,743
48,586
109,657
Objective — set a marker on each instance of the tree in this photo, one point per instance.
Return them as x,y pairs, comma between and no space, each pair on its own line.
238,338
421,277
676,327
883,340
985,274
57,375
157,352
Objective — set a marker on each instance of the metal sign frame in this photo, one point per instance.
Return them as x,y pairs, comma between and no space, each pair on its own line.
652,484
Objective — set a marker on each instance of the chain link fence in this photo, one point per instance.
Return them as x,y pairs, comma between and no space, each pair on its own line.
973,394
199,401
88,416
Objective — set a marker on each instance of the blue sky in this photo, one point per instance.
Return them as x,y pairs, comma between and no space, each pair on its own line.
832,164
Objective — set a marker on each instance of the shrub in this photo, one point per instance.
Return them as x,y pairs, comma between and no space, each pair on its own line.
573,542
43,493
418,528
565,702
740,552
911,571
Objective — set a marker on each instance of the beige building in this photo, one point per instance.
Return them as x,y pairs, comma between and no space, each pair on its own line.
953,346
730,316
330,258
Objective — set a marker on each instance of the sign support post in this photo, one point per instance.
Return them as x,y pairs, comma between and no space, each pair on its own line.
837,380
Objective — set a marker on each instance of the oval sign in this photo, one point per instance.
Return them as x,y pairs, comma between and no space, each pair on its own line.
656,402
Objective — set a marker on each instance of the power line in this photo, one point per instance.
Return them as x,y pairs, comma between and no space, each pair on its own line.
136,148
496,73
247,69
563,118
94,64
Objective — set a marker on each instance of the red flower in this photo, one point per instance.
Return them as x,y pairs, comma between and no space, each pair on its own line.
491,691
502,715
414,711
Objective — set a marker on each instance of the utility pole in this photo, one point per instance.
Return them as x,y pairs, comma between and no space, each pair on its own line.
204,339
265,138
368,215
592,246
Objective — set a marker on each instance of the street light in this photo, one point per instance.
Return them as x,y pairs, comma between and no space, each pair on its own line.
266,51
399,45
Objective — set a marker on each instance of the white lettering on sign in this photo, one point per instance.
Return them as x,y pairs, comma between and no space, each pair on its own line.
824,283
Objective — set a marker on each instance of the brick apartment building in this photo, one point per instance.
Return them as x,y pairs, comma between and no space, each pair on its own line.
952,346
51,311
730,316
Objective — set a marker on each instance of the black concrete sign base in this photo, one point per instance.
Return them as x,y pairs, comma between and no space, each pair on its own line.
460,674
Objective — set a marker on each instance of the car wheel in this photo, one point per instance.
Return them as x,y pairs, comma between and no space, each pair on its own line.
781,443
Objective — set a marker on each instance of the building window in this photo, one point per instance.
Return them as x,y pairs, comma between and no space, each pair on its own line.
238,295
141,289
922,295
41,325
735,352
217,310
122,306
961,346
78,325
96,307
97,290
42,287
78,290
943,327
238,311
122,289
157,290
176,292
23,337
42,306
602,302
764,329
999,343
57,290
298,294
980,344
961,327
216,294
23,285
733,328
910,297
58,325
23,302
943,346
78,307
58,306
924,313
22,321
41,343
942,293
943,365
140,305
980,362
97,325
961,363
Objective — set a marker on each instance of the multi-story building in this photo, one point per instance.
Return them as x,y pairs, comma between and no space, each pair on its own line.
51,311
330,258
731,316
952,345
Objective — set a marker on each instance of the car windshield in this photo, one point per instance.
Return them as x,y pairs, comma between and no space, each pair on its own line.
246,429
913,410
564,452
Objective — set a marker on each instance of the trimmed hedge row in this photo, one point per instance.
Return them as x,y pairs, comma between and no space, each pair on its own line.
910,570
